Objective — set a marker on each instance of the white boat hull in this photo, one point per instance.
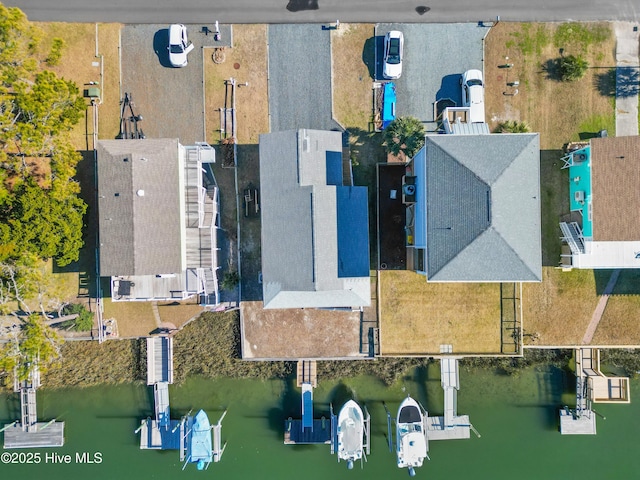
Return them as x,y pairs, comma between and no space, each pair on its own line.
350,433
411,441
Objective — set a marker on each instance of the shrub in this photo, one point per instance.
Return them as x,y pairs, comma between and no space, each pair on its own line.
513,126
572,68
230,280
56,52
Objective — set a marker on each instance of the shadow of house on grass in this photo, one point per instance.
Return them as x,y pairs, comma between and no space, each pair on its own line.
86,264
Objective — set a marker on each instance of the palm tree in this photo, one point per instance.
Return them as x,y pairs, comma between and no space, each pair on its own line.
404,134
513,126
572,67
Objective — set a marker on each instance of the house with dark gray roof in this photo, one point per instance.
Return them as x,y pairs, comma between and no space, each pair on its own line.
315,229
603,186
158,220
473,208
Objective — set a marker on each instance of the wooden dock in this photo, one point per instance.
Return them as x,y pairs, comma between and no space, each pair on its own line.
42,434
159,360
570,424
307,373
458,429
153,436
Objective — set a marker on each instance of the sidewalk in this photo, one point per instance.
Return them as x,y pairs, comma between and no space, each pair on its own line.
627,78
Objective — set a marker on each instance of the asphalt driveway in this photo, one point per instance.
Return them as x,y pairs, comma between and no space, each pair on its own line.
300,77
435,56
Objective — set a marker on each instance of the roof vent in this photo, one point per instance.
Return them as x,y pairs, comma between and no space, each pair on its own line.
144,159
140,193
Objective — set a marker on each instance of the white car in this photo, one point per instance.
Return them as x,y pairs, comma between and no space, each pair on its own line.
393,52
179,45
473,95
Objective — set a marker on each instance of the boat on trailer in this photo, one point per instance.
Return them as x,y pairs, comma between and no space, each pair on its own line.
350,433
411,441
199,449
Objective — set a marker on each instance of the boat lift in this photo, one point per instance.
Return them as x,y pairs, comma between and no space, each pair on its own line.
307,430
28,432
161,432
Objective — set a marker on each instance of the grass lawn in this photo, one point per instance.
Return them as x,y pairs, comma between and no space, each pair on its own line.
134,319
417,317
619,323
351,47
76,64
558,310
246,61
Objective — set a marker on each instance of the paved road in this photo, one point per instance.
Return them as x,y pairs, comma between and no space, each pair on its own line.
320,11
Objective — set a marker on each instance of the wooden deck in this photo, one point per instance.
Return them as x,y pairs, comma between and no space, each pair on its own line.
156,438
43,435
570,425
459,430
307,373
159,360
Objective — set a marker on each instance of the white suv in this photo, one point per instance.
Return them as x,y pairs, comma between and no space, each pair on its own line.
473,95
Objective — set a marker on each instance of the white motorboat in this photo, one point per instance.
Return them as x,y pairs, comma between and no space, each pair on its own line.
411,440
350,433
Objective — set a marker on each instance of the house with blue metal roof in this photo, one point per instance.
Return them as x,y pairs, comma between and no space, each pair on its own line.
603,186
473,208
315,229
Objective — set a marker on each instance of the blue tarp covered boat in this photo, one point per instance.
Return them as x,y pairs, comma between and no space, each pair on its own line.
199,449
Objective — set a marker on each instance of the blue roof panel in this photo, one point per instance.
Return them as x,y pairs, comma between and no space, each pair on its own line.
334,168
353,231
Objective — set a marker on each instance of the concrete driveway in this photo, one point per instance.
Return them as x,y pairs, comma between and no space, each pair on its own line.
435,56
169,99
300,77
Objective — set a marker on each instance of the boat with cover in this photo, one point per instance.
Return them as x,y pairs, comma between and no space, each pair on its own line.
350,433
199,449
411,440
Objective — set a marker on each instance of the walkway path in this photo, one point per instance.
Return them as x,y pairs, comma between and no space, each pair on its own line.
627,78
602,303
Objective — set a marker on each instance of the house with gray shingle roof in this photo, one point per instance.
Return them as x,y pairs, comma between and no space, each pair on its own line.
158,220
603,186
473,208
315,229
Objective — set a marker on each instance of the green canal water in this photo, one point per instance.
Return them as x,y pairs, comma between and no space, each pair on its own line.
516,417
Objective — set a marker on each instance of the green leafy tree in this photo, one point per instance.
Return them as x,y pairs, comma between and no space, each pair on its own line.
572,68
404,134
55,54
